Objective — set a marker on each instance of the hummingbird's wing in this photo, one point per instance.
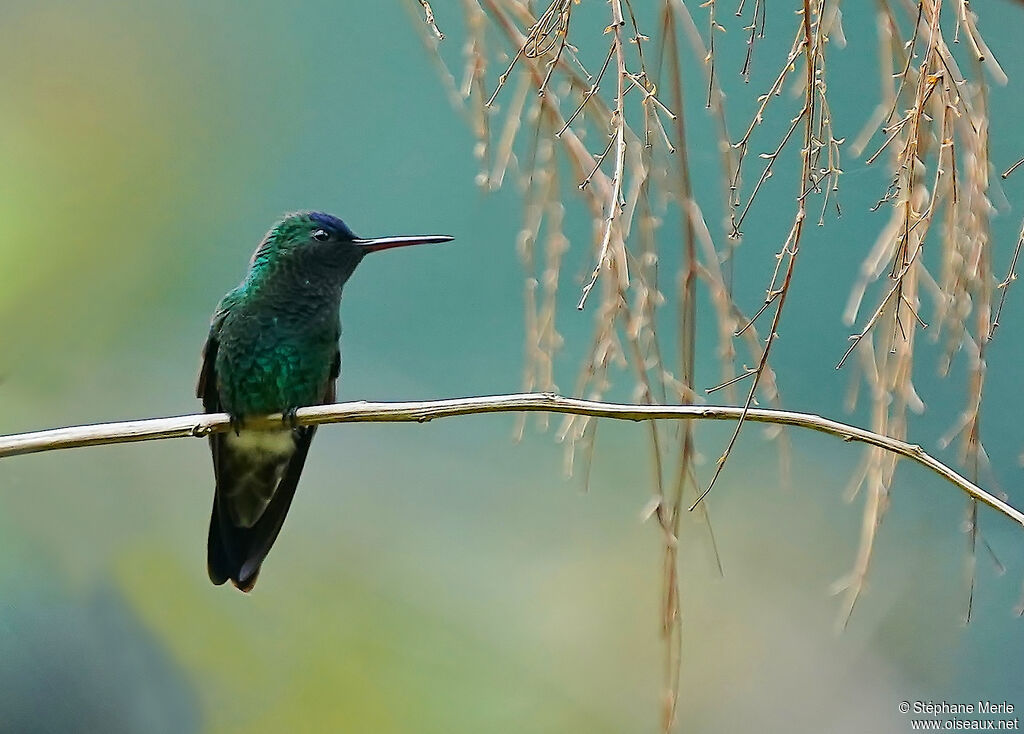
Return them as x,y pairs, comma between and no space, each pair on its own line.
255,483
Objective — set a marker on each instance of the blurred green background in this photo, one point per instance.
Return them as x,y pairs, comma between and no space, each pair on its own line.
434,578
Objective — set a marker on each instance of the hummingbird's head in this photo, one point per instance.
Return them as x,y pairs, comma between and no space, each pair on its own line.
320,246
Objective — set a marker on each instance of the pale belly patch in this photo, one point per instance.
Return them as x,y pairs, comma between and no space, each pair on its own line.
274,442
259,460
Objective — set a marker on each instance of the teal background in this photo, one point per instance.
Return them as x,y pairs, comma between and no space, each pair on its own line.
440,577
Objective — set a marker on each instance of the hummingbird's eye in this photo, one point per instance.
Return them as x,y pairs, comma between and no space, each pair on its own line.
320,235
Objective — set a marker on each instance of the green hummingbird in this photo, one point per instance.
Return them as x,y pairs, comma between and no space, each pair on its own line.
273,348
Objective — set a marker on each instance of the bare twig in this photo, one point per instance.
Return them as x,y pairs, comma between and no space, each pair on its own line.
428,17
1004,284
1011,169
614,204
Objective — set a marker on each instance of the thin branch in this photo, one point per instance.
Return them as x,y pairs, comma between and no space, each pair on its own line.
614,206
423,411
428,18
1011,169
1004,285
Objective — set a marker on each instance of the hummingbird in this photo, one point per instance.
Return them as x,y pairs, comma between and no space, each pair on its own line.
273,348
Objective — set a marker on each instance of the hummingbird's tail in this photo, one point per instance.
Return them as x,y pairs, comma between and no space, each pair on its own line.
257,472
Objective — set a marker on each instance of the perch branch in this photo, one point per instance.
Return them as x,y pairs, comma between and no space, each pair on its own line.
199,425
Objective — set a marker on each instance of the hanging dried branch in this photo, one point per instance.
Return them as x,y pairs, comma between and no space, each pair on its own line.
936,150
817,127
601,118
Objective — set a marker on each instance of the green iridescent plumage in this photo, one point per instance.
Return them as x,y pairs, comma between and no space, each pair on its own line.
275,353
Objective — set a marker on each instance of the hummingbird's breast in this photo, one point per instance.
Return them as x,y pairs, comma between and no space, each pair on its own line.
274,359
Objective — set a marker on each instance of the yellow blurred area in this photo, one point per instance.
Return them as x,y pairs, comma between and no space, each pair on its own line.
89,143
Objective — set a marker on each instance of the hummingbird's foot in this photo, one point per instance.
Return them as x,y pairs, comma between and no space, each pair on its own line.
290,418
236,423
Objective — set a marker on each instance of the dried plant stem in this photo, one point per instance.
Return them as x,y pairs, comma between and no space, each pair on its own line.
686,281
810,115
1004,284
428,18
423,411
1011,169
934,118
614,205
